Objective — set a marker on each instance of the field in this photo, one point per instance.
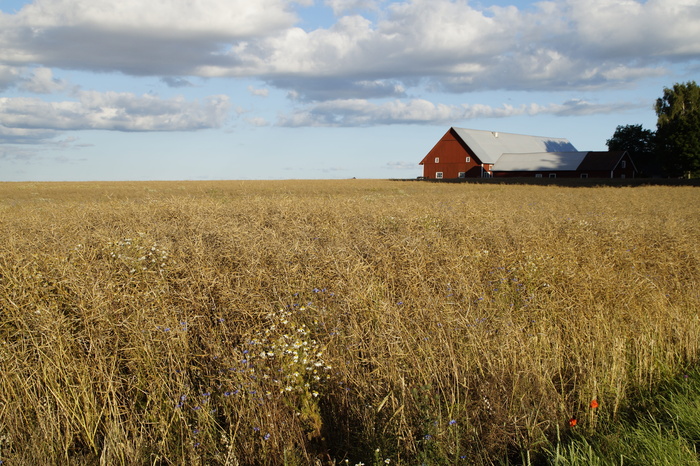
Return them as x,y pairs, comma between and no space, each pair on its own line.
335,322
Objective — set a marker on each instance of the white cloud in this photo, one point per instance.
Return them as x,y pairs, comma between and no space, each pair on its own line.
358,112
341,6
258,121
160,18
258,92
25,135
9,76
655,28
112,111
43,82
452,45
173,81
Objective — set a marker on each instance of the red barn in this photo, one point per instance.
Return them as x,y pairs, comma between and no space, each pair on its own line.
468,153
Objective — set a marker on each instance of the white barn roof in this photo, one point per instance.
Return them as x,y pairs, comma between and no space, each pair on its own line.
489,145
539,161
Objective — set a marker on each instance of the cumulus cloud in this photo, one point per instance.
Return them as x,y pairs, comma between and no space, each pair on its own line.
454,45
341,6
25,135
319,89
111,111
159,37
359,112
411,46
258,92
173,81
43,82
258,121
9,76
459,48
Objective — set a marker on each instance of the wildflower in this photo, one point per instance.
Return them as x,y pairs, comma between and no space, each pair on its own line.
453,422
573,422
594,404
266,437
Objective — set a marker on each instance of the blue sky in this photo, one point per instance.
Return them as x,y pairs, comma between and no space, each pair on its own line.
277,89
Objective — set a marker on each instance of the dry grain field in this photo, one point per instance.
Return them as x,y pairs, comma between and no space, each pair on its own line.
334,322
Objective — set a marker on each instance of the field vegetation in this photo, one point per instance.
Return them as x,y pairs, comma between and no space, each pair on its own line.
336,322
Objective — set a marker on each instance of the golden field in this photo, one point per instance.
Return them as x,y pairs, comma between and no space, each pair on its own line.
334,322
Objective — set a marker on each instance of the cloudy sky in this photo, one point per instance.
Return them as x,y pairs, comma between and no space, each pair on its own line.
276,89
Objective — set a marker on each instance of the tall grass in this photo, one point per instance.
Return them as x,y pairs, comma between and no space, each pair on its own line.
662,427
358,321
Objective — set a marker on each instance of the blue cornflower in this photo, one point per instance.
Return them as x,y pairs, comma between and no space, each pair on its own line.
453,422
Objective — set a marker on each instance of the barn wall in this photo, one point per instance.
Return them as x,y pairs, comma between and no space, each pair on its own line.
628,171
545,174
452,154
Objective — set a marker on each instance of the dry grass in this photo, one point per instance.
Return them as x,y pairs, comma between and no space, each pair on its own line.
292,322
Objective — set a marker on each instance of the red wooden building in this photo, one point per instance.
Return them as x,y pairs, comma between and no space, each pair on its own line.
467,153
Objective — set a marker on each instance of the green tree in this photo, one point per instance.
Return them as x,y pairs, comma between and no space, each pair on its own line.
640,143
632,138
678,129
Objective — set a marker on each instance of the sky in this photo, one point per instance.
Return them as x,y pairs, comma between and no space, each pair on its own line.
319,89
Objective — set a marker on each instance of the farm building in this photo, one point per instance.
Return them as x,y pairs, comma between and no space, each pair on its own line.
467,153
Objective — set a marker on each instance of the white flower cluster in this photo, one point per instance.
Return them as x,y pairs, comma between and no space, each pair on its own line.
287,355
138,255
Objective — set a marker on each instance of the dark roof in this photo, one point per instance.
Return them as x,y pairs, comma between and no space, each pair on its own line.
601,161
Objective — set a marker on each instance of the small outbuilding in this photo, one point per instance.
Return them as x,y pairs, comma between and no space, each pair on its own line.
468,153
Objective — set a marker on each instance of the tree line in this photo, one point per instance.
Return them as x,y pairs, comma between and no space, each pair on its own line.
673,150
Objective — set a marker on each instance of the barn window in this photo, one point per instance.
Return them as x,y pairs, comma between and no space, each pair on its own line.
437,159
538,175
584,175
438,175
623,164
469,159
622,176
552,175
461,174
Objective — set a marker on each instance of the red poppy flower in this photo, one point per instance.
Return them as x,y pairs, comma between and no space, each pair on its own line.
573,422
594,404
